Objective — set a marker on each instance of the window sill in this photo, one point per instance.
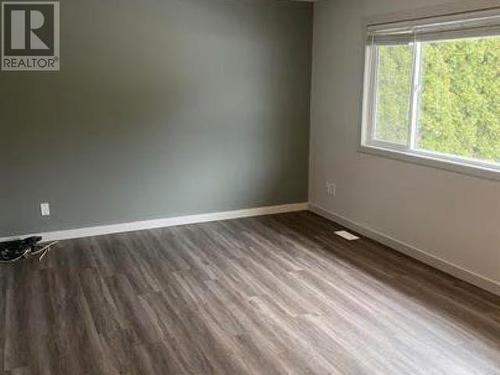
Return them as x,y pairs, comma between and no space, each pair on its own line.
461,167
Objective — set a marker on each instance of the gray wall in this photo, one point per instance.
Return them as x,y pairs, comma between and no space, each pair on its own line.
453,217
162,108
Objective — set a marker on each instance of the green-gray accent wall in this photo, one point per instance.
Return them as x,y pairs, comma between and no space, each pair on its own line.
161,109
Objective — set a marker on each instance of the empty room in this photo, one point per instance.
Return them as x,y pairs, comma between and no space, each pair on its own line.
250,187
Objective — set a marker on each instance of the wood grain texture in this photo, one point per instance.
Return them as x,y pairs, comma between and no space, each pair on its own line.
268,295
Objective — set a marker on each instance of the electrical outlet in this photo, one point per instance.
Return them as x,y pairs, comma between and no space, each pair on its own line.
331,188
45,209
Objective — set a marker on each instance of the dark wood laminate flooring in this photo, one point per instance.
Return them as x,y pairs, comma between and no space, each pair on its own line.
269,295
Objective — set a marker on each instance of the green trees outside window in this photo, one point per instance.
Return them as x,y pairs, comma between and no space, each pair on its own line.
458,106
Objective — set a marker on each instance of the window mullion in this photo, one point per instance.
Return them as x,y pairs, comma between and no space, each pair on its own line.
415,95
374,85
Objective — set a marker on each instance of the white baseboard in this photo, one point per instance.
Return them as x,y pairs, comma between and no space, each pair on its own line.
161,223
441,264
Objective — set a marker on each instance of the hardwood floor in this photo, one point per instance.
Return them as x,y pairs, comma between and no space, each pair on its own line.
269,295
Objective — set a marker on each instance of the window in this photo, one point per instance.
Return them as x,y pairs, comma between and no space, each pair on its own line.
432,92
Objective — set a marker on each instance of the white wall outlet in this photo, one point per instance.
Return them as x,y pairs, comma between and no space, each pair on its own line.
45,209
331,188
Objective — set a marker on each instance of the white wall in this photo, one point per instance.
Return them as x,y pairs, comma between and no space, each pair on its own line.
449,216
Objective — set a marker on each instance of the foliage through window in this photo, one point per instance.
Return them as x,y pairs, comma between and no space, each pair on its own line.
433,90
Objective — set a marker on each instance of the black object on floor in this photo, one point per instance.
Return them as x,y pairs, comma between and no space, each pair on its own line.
12,251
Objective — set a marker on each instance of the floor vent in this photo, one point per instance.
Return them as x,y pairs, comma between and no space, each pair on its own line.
348,236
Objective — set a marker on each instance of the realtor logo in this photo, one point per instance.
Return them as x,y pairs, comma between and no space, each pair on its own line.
30,36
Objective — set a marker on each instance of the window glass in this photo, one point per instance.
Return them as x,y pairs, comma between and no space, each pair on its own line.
459,110
394,81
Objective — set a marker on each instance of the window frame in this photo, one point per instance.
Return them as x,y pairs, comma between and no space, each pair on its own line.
408,152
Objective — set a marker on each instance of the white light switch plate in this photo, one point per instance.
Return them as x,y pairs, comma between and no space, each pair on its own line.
45,209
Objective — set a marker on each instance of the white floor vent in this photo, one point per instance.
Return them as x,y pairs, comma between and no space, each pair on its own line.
348,236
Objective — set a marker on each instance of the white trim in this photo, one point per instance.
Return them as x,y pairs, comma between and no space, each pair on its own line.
161,223
421,255
434,160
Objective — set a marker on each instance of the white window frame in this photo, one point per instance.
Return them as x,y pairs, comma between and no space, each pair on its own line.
409,152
